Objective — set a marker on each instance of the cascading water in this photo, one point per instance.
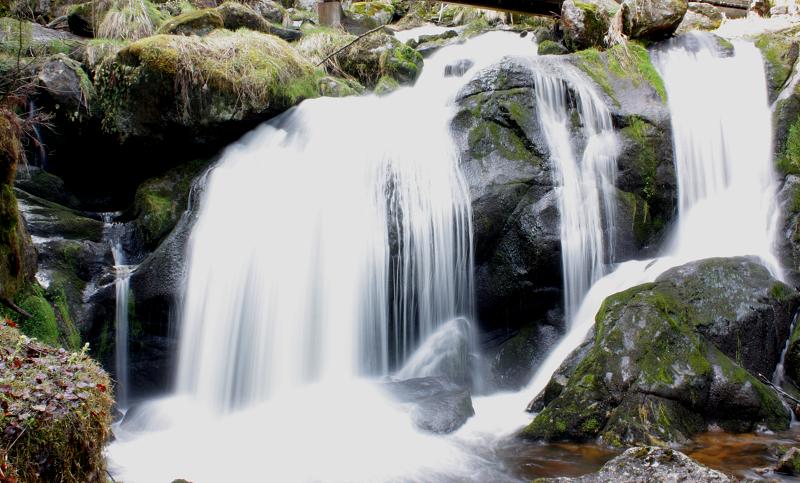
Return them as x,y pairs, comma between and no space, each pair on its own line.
330,243
585,180
114,232
723,159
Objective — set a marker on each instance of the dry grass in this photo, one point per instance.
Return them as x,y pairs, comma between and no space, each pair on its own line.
255,66
129,20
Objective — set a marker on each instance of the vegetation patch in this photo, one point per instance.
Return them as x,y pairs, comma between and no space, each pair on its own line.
56,411
130,20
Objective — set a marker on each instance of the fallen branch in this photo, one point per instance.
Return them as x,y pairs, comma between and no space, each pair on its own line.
780,391
15,307
350,43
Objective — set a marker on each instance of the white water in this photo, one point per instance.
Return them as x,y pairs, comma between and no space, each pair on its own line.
726,184
585,178
113,232
296,289
341,428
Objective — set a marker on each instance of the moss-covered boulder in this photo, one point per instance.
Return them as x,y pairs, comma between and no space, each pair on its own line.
32,40
671,357
700,16
65,89
200,89
371,14
585,23
367,60
56,411
271,11
236,16
195,22
652,19
161,201
550,47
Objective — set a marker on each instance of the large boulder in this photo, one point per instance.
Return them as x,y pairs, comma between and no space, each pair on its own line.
516,219
652,19
669,358
64,89
200,90
585,23
700,16
649,464
194,22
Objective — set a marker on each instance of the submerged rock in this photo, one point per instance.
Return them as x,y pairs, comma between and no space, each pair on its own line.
789,464
435,405
671,357
649,464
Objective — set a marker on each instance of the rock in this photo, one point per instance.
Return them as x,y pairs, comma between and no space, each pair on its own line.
435,405
46,219
513,363
780,50
671,357
200,90
585,24
549,47
195,22
789,464
270,10
647,463
42,184
652,19
36,39
335,87
161,201
791,364
61,438
373,57
371,14
236,16
82,19
65,89
700,16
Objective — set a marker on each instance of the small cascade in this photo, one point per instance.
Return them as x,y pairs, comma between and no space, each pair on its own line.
40,150
585,177
114,233
779,376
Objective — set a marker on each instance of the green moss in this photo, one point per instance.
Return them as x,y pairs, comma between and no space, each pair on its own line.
372,8
591,62
780,53
42,324
632,61
475,27
198,22
386,85
788,162
550,47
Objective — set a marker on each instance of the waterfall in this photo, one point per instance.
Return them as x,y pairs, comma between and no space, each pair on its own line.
585,179
330,242
114,232
723,156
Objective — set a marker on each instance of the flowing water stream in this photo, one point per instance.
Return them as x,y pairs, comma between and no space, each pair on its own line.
114,232
335,240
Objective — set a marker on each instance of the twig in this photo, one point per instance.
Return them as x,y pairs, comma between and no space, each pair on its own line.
15,307
110,476
780,391
350,43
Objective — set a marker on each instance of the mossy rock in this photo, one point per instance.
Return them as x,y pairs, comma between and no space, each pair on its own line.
621,69
57,411
372,13
366,60
549,47
780,50
197,22
161,201
17,258
48,219
652,19
169,87
33,40
585,23
331,86
235,16
656,371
